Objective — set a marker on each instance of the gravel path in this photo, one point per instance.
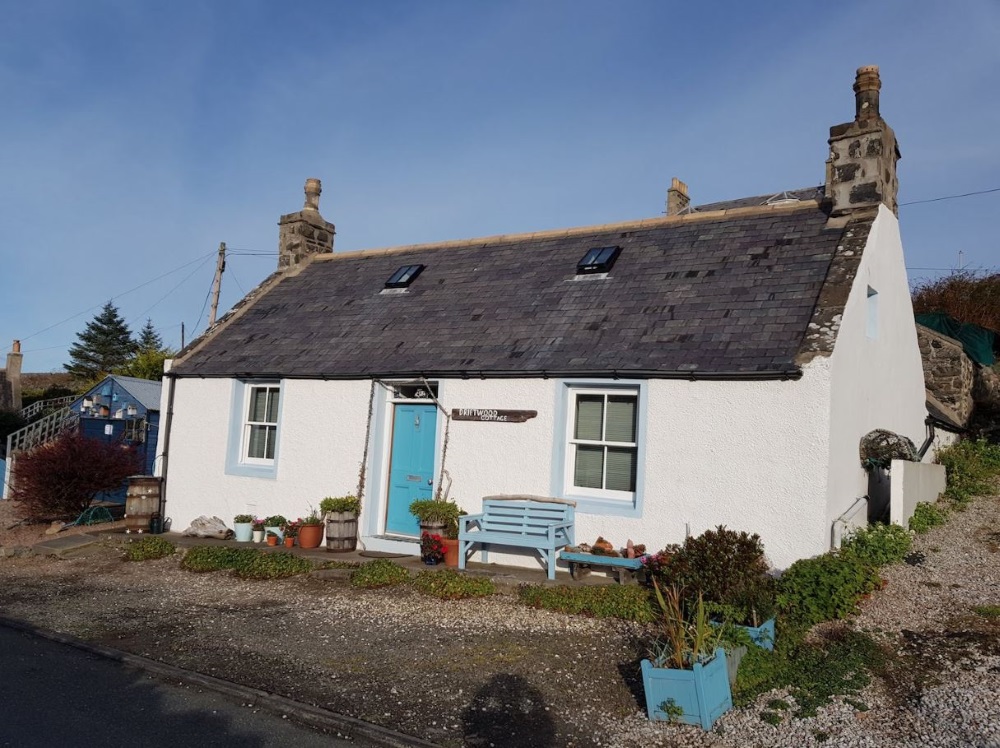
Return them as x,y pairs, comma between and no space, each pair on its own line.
493,672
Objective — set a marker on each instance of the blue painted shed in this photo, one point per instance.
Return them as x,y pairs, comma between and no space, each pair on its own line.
126,410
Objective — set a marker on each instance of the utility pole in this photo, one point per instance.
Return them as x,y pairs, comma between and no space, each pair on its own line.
220,265
182,334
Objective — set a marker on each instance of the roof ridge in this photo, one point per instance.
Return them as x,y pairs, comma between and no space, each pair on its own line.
640,223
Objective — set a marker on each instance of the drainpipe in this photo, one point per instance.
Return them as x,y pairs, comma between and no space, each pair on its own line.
168,418
840,524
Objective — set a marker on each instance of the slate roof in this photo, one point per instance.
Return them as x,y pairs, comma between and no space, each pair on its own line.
720,295
146,391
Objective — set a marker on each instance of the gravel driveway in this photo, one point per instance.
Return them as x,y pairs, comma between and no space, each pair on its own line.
492,672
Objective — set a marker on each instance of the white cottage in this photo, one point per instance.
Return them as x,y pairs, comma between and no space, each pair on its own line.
718,365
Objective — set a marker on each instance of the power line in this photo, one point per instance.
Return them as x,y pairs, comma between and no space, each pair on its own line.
182,282
124,293
950,197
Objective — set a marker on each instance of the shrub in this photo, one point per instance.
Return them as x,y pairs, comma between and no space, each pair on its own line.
243,519
379,573
149,548
825,588
879,545
275,520
448,584
965,295
815,671
62,477
973,467
214,558
248,563
925,516
270,565
627,601
726,568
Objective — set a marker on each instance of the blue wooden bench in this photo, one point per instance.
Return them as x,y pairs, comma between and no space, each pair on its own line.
624,568
542,524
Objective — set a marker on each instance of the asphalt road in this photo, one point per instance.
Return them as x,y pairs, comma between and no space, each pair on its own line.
55,695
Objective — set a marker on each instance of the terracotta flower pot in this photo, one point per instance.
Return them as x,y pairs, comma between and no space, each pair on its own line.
272,539
450,552
310,536
289,542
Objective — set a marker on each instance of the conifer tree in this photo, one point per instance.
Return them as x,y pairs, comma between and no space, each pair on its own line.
149,338
104,345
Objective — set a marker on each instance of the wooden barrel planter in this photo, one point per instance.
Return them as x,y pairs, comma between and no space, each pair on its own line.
341,532
142,502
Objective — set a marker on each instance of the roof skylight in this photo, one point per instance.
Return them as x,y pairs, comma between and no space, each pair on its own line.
403,277
598,260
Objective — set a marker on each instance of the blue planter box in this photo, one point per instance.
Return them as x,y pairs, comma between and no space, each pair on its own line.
702,693
244,531
763,635
276,530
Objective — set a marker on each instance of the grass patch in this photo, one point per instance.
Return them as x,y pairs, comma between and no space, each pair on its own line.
339,565
973,468
925,516
448,584
379,573
149,548
628,601
247,563
987,611
772,718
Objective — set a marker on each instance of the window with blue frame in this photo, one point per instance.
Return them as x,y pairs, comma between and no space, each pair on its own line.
254,429
602,451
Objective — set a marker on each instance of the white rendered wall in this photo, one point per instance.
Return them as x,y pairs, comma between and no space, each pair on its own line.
320,447
877,383
749,455
913,483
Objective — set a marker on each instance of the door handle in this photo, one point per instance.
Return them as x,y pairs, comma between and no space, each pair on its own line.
430,481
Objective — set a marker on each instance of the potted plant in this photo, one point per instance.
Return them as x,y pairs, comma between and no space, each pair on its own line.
685,678
310,530
435,515
431,549
243,526
450,540
341,515
257,525
271,537
291,530
274,524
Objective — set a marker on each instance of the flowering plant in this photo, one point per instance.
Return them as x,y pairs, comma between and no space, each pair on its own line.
292,529
242,519
431,547
258,523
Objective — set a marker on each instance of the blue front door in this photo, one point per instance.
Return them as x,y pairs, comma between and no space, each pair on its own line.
411,464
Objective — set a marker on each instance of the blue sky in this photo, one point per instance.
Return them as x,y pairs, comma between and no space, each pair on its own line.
137,135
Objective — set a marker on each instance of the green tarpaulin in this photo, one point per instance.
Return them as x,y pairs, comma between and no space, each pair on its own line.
977,342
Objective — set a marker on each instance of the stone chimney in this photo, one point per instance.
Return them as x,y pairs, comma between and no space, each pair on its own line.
13,375
677,197
304,233
861,170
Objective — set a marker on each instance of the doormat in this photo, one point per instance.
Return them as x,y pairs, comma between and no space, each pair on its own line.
383,554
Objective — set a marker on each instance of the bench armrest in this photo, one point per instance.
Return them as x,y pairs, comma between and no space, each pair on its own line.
464,520
557,525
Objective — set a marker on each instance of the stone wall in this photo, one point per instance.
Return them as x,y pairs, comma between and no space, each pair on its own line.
6,396
948,372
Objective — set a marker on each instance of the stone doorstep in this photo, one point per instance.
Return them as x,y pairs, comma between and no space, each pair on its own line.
63,545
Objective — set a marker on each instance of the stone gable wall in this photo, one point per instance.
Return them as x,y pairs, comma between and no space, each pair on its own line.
948,372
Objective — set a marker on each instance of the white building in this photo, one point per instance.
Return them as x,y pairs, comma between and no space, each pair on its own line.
718,365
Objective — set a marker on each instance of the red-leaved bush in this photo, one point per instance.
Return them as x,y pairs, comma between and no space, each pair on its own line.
62,477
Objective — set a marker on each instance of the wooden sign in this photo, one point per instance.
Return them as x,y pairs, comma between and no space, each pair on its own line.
492,415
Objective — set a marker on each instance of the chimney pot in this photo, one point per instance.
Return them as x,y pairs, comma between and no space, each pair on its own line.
16,348
314,188
866,87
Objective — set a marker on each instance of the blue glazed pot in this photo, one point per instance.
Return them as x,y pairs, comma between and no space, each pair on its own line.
702,693
244,531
